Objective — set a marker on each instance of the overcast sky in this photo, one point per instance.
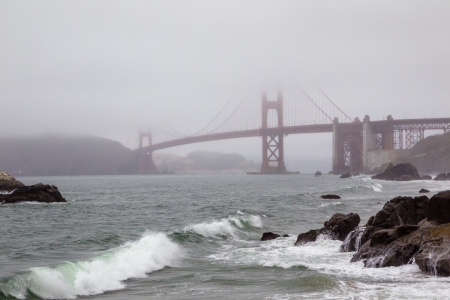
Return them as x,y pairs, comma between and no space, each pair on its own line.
108,68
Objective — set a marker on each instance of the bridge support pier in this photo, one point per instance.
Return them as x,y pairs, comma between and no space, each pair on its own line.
272,145
146,164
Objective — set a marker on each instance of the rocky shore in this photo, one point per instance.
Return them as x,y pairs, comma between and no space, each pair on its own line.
407,230
21,193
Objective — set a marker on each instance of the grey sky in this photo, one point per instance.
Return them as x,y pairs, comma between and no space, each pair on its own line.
110,67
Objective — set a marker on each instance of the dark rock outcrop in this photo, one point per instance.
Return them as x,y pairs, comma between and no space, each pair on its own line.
426,242
338,227
9,183
318,173
438,208
35,193
346,175
401,172
424,191
442,177
426,177
267,236
330,196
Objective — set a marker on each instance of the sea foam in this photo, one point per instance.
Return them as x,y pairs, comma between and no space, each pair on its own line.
225,227
105,272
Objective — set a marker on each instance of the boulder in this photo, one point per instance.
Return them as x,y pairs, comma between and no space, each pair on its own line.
267,236
346,175
337,228
318,173
355,174
401,172
442,177
35,193
426,177
424,191
9,183
398,211
438,208
330,196
391,247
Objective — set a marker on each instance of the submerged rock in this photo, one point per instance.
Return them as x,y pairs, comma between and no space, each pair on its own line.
9,183
318,173
337,228
330,196
424,191
346,175
35,193
426,177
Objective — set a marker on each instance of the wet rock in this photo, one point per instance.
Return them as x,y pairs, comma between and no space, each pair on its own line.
392,247
438,208
307,237
318,173
433,258
426,177
330,196
442,177
353,240
355,174
8,183
337,228
35,193
346,175
401,172
269,236
424,191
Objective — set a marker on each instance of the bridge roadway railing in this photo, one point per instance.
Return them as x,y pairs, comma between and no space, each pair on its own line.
400,124
240,134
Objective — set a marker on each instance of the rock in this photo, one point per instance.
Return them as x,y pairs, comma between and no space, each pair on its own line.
337,228
318,173
346,175
426,177
442,177
424,191
433,258
306,237
269,236
353,240
9,183
391,247
35,193
355,174
330,196
438,208
402,172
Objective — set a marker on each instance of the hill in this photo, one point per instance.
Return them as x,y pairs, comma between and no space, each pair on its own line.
431,155
51,155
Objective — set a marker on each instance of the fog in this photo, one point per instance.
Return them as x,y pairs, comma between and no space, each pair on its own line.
110,68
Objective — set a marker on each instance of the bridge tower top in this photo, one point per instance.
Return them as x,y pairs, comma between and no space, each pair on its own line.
268,105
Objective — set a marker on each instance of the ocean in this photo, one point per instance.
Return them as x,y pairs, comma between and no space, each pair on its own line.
196,236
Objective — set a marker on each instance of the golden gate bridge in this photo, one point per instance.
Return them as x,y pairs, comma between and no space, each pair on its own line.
357,145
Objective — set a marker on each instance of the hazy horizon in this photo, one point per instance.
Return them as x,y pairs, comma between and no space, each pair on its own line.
110,68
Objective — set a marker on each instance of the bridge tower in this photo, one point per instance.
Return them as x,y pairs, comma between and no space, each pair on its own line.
272,144
146,164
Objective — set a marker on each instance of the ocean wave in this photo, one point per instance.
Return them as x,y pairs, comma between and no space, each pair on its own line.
106,272
330,203
225,227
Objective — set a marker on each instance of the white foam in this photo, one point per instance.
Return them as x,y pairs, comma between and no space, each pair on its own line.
225,227
106,272
330,203
356,281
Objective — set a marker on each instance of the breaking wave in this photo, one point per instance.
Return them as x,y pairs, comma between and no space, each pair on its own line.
106,272
225,227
